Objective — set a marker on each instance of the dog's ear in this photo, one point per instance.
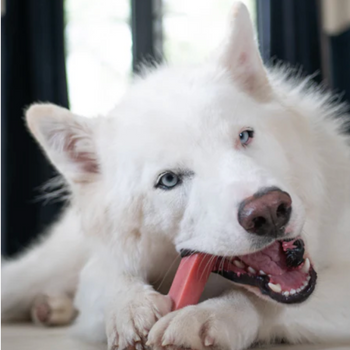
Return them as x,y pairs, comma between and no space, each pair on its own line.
67,140
240,55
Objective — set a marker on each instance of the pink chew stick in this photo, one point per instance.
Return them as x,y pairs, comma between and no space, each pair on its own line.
190,279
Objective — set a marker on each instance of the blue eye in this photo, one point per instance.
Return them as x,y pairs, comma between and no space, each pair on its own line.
246,136
168,181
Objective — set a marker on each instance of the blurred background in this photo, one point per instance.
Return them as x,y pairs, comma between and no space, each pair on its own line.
83,54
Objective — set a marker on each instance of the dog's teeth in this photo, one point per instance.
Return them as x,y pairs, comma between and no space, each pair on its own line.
239,264
292,291
262,273
308,278
298,290
251,270
306,266
286,294
275,287
305,284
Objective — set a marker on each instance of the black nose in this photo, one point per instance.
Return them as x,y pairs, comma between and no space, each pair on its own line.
266,213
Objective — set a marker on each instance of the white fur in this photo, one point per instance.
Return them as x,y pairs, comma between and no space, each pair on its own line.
121,234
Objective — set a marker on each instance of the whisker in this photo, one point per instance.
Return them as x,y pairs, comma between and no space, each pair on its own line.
186,262
200,264
167,272
207,266
216,262
222,265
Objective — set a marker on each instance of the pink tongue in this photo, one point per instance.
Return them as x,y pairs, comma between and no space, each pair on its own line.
271,260
290,280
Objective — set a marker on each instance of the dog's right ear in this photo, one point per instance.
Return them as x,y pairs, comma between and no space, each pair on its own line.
240,55
67,140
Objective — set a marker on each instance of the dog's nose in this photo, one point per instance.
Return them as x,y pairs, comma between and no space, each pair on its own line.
266,213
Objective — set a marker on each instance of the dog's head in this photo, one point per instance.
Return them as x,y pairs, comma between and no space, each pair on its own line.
209,157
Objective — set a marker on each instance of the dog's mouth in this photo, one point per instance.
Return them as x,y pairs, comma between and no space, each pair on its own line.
281,271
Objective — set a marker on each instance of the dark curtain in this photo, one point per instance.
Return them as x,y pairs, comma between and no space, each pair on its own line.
147,33
339,46
292,31
32,69
289,31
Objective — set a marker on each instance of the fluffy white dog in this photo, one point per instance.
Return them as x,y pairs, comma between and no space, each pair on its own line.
226,158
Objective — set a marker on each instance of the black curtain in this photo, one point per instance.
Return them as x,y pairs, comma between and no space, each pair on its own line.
339,46
289,31
292,31
147,33
32,69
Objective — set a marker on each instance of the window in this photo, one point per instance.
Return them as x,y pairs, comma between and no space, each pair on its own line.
99,44
98,50
193,29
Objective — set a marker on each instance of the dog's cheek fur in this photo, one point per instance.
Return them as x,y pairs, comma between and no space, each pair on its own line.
127,214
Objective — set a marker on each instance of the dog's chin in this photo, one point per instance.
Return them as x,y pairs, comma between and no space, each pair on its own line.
282,271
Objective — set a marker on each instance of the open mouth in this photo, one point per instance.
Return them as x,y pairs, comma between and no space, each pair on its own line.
281,271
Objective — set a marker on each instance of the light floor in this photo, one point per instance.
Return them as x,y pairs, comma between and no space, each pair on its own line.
29,337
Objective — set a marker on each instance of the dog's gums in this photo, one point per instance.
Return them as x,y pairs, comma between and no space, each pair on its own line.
280,271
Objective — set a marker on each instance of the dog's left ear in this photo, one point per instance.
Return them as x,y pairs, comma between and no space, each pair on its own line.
67,139
240,55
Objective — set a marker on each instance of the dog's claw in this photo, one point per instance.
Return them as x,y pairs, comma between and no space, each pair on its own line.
138,346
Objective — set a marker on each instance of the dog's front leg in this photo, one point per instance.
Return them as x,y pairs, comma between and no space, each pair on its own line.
227,322
132,309
117,304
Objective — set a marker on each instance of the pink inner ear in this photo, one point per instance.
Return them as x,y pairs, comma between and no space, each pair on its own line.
249,75
85,159
88,164
246,76
242,58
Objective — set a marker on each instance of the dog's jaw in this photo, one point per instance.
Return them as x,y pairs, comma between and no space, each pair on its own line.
281,272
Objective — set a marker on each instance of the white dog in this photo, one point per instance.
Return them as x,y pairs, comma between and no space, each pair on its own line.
226,158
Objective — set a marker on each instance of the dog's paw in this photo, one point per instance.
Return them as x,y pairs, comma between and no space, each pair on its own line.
195,327
53,310
128,325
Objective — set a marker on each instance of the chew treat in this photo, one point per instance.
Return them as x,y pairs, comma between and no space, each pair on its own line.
190,279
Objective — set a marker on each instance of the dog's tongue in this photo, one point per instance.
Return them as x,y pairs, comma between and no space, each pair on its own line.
272,259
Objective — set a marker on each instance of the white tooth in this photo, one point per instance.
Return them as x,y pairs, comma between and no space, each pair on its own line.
308,278
275,287
239,264
262,273
306,266
251,270
298,290
292,291
286,294
305,284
